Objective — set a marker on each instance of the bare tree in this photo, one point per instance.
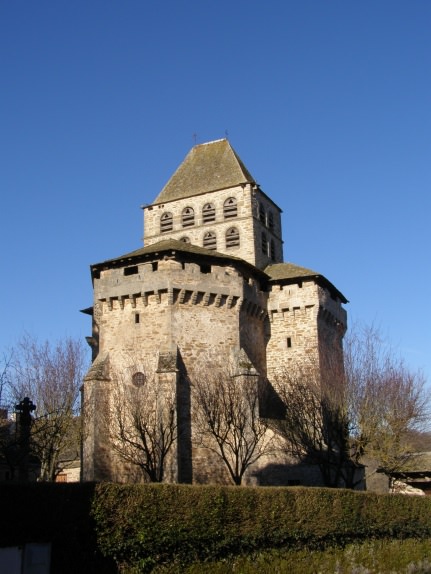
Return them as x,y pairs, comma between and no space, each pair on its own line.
227,420
4,379
388,402
143,421
8,440
315,427
371,407
51,375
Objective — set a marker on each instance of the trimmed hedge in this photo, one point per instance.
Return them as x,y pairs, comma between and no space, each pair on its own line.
147,525
99,528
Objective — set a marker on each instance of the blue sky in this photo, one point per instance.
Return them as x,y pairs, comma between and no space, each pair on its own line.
327,102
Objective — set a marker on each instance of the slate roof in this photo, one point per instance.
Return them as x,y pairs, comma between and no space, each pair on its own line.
290,273
167,245
207,167
278,273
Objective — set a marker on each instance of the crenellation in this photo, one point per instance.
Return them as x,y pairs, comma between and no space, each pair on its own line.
186,295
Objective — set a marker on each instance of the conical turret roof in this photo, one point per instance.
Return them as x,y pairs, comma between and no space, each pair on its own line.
207,167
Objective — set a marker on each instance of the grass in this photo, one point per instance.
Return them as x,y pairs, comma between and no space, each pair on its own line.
373,557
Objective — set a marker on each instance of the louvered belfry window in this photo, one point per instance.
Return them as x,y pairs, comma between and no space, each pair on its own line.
230,208
208,213
188,217
210,240
166,222
232,237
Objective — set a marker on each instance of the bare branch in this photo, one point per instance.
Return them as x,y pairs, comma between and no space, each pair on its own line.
51,375
143,421
226,416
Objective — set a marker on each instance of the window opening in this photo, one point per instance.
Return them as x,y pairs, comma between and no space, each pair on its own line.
289,342
232,237
230,208
210,240
270,220
188,217
272,249
262,215
131,270
208,213
154,265
264,244
138,379
166,222
137,318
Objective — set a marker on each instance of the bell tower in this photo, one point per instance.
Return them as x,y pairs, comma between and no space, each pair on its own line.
212,201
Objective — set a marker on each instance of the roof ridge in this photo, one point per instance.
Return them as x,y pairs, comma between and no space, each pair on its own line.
207,167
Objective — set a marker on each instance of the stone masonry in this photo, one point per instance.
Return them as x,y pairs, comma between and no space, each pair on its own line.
209,281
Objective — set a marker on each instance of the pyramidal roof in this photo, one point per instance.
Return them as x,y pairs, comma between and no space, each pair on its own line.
207,167
290,273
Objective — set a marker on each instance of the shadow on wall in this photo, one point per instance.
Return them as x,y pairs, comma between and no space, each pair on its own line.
301,474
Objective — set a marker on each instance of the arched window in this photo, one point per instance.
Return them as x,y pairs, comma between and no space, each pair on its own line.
230,208
264,244
185,239
270,220
138,379
232,237
188,217
262,215
272,249
210,240
166,222
208,213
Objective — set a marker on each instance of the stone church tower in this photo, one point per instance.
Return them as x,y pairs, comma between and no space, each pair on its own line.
210,279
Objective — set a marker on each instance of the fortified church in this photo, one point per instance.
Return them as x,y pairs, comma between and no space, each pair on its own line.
210,278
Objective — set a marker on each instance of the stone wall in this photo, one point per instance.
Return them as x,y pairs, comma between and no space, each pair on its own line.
303,317
176,311
249,221
204,313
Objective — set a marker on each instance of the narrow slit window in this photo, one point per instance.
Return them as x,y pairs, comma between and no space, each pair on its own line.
289,342
272,249
262,214
264,244
137,318
270,220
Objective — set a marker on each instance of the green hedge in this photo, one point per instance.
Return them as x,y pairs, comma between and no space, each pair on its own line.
151,524
95,528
